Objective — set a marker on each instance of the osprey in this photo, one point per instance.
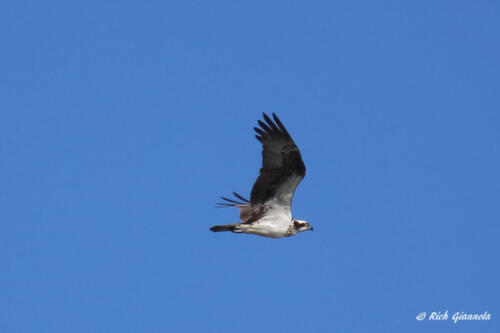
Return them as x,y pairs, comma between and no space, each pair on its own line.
268,213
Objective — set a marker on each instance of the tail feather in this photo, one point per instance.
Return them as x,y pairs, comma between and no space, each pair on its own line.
226,227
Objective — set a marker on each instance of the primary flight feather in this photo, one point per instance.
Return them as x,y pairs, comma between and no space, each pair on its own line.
268,213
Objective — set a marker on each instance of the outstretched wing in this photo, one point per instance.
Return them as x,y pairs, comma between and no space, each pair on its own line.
243,205
282,166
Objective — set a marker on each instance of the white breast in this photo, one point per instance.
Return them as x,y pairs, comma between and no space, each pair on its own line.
275,223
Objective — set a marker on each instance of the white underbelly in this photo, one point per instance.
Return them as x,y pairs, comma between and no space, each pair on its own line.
273,229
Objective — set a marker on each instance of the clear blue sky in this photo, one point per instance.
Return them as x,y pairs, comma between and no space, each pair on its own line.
122,122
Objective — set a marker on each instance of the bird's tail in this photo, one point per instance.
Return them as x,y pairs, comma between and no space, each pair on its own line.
226,227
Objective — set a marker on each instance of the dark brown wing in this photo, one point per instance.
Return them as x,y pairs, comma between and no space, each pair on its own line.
243,205
282,166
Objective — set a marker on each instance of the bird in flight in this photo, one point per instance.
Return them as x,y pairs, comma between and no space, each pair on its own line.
269,211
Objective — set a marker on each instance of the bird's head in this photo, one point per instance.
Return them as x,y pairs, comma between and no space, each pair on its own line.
301,226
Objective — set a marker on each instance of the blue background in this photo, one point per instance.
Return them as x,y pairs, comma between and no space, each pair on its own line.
122,122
